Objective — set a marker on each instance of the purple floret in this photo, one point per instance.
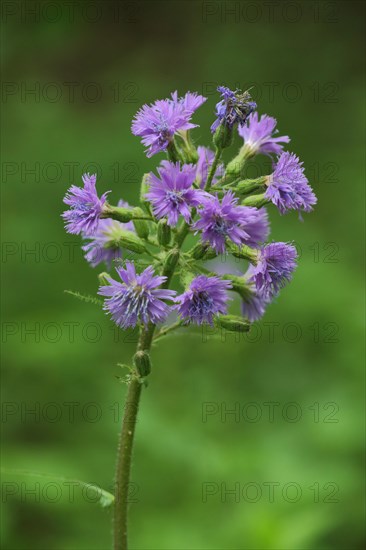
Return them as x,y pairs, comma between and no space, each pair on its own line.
103,246
137,298
258,135
205,160
157,123
234,108
205,298
172,193
288,187
276,263
85,207
226,220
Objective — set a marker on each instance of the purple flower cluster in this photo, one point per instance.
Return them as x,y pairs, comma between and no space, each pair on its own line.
222,220
137,298
172,194
178,195
258,135
234,108
85,207
288,187
157,123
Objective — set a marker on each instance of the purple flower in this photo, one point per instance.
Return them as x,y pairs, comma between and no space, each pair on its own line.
255,307
205,297
172,194
102,245
258,135
276,262
205,160
225,220
137,298
255,303
288,187
234,108
157,123
85,207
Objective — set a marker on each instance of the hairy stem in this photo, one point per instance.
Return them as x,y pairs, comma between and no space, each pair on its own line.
125,445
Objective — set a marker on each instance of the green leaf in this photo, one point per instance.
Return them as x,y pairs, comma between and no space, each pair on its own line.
85,297
106,499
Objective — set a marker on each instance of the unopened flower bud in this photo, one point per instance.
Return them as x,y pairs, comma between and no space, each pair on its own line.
142,363
243,251
141,226
223,136
164,232
119,213
129,240
203,250
232,323
256,200
171,260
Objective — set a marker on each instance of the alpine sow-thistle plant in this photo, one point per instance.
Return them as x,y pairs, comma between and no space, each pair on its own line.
191,193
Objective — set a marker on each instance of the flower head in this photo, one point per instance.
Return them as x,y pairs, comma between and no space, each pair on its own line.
258,135
172,193
205,160
205,297
275,265
225,220
157,123
137,298
288,187
102,245
255,303
234,108
85,207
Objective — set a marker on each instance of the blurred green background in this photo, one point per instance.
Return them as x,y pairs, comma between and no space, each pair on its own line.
91,65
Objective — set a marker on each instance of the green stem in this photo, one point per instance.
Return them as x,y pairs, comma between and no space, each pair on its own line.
125,445
213,169
165,330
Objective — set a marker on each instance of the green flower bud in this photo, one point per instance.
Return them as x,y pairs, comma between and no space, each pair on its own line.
171,260
236,165
256,200
129,240
223,136
232,323
119,213
242,251
245,187
164,232
142,363
141,226
203,251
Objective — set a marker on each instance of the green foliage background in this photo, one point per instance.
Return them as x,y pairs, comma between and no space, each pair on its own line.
315,354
